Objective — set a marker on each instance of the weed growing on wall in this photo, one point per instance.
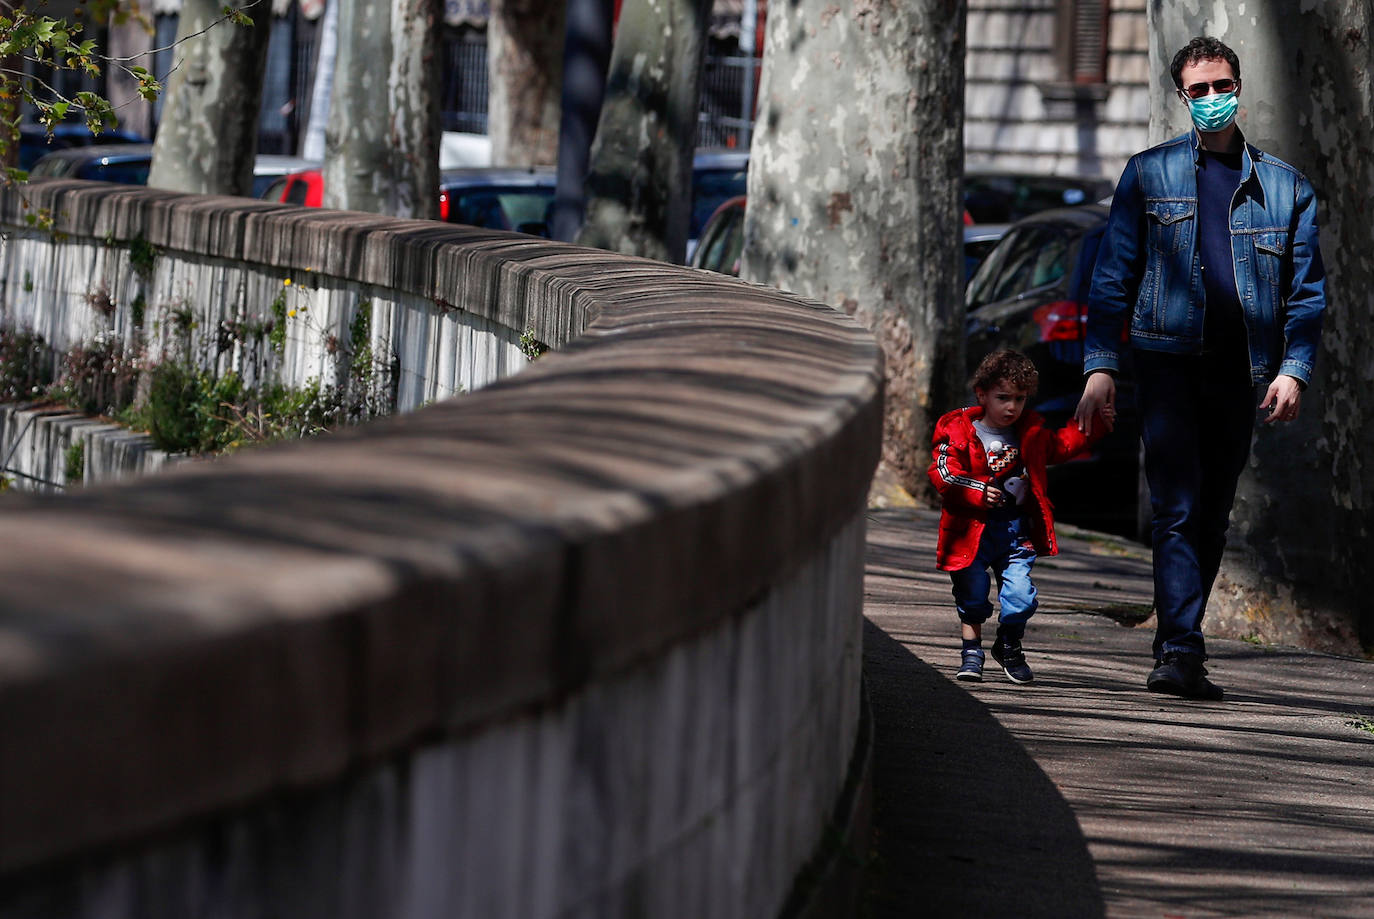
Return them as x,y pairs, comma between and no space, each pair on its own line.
74,463
25,365
530,346
191,409
98,377
184,406
142,256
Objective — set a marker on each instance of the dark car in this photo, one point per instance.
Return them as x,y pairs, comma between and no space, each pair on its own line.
717,176
1030,294
125,163
722,240
479,196
35,142
1003,196
503,199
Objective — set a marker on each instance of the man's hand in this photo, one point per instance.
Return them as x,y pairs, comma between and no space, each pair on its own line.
993,497
1283,399
1099,399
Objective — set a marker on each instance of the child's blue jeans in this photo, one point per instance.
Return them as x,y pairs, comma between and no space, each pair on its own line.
1005,549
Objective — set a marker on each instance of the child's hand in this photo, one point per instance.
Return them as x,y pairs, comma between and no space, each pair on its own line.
993,497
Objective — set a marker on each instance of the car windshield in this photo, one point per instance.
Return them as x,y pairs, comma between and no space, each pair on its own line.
721,246
501,208
131,172
1027,258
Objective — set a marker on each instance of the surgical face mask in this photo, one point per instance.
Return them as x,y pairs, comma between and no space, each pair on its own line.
1214,112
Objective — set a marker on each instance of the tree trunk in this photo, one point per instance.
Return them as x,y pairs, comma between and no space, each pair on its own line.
322,86
640,183
525,67
382,144
586,56
854,192
207,138
1303,524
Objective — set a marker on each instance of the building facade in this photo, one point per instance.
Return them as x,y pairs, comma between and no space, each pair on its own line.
1057,86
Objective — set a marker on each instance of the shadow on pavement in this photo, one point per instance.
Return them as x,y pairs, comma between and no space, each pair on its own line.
965,822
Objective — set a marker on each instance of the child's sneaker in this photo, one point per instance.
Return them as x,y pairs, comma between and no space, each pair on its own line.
971,669
1013,661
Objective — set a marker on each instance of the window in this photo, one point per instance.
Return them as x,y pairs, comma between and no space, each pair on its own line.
1082,44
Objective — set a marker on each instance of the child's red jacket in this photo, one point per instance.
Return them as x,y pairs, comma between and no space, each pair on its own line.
961,475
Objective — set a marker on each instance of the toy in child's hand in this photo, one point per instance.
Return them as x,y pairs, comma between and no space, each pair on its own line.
1017,487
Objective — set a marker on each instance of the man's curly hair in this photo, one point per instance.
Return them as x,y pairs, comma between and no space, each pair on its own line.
1012,366
1202,48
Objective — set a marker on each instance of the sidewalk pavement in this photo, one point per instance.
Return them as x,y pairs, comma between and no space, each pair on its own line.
1084,795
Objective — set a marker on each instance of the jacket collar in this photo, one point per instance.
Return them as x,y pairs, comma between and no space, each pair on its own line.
1247,152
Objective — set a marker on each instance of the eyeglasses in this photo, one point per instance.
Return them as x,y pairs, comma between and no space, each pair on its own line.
1198,90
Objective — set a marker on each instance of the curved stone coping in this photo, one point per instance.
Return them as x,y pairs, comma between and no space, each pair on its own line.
269,620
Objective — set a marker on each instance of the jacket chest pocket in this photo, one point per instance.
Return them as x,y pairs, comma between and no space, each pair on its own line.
1170,224
1270,248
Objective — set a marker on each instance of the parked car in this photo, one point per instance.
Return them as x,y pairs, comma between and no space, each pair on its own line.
503,199
304,188
35,142
717,176
1030,294
722,240
130,163
1001,196
124,163
271,169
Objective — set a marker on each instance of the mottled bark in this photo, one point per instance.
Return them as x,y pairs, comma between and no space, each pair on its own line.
1303,524
640,183
382,144
854,199
525,73
208,135
130,40
322,87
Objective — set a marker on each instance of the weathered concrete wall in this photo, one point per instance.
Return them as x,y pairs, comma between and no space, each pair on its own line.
84,288
34,441
583,642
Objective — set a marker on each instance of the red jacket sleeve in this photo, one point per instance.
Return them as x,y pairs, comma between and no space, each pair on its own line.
950,468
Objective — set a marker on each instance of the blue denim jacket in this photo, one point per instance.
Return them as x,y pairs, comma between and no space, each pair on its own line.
1148,266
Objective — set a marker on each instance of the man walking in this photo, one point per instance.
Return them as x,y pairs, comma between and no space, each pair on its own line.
1211,254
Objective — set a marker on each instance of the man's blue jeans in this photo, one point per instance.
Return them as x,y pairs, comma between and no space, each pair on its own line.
1005,549
1197,416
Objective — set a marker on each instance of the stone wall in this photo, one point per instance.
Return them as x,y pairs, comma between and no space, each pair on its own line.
584,641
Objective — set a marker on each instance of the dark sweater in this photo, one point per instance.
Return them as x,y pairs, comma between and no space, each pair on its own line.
1218,177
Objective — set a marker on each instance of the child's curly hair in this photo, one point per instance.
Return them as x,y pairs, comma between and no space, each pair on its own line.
1012,366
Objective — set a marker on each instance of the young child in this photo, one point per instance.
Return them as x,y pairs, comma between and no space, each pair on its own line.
989,468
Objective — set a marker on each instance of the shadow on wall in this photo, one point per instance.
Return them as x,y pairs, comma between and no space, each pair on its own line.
965,822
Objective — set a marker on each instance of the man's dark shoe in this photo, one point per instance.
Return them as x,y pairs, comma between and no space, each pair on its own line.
1013,661
970,666
1182,674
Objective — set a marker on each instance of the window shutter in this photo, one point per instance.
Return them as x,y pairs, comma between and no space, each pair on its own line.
1088,59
